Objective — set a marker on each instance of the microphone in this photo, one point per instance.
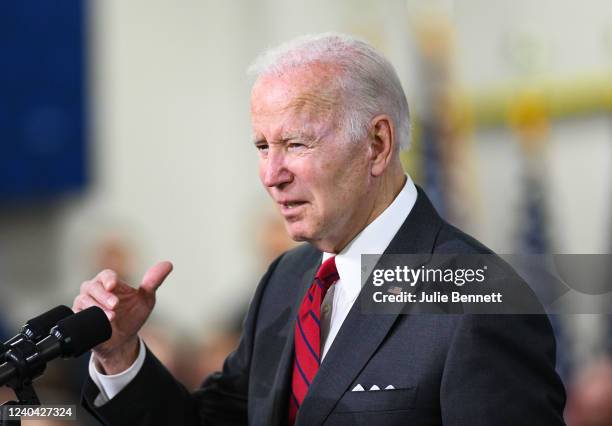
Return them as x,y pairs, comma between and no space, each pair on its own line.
71,337
35,329
38,327
75,335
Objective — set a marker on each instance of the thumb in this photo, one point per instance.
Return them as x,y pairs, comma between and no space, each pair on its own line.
155,276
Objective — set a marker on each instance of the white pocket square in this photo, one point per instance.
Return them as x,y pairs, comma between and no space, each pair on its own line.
360,388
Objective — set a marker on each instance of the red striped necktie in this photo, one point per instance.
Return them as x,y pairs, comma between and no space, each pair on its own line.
307,338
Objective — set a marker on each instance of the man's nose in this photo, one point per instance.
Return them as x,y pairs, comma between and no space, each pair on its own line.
276,172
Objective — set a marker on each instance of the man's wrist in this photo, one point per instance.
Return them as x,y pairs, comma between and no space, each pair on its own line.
112,385
119,360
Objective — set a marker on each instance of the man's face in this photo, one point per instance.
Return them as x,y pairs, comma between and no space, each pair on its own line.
317,178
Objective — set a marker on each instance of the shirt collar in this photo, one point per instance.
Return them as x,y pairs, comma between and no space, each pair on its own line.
375,237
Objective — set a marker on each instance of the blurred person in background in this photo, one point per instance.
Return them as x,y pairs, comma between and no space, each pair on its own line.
3,330
329,117
5,393
212,351
271,238
271,241
114,249
589,400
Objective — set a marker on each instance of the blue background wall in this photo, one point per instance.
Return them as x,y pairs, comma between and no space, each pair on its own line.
42,99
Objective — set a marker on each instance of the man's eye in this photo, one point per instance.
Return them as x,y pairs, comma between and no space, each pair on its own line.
294,146
262,147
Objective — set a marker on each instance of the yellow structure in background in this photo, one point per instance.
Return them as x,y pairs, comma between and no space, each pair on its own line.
526,107
557,99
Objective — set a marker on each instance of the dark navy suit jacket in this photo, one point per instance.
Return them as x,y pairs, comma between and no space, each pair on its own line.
452,370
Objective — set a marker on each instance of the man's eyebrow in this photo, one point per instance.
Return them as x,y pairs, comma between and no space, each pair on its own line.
294,136
287,138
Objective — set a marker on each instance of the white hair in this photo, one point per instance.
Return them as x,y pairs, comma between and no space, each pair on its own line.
367,82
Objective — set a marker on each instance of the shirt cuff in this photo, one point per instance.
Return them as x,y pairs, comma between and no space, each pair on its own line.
111,385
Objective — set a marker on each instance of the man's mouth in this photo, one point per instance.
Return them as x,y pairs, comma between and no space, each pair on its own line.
290,207
292,204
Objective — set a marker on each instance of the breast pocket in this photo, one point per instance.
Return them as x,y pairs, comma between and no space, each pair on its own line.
381,400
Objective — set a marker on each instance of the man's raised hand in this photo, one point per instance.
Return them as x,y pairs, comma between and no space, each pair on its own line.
126,307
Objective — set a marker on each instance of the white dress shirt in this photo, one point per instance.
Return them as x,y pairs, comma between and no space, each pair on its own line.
338,301
374,239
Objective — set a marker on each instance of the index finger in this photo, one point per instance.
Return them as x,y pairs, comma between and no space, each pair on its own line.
108,278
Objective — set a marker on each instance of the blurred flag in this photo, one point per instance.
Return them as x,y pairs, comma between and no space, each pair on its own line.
448,168
529,118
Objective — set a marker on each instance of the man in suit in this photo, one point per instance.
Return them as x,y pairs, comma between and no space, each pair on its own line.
329,117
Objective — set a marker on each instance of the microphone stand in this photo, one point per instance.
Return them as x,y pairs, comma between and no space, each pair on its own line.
27,360
26,395
22,383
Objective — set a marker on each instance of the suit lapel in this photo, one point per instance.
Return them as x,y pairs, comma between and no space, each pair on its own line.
361,334
282,381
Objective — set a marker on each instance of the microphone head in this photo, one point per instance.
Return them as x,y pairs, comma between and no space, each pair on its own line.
37,328
82,331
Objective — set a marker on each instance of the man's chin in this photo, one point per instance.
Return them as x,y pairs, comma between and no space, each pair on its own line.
298,237
298,233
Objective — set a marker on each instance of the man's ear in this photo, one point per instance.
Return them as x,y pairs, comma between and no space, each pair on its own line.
382,143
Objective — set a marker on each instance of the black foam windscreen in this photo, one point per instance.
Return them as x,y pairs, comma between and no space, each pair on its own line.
83,330
37,328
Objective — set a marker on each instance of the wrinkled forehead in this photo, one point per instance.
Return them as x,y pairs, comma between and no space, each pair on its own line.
310,91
